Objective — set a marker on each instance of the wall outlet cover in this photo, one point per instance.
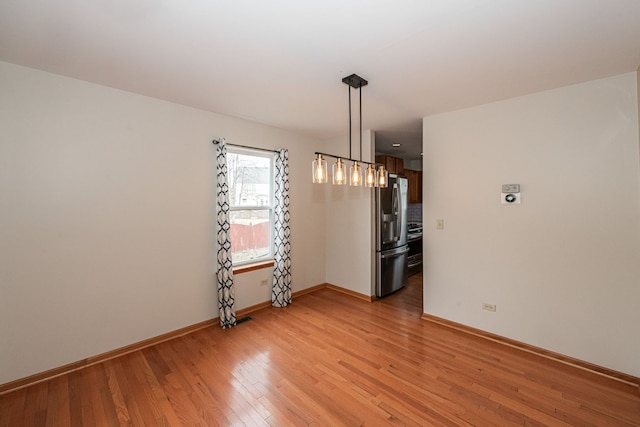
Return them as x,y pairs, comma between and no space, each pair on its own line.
489,307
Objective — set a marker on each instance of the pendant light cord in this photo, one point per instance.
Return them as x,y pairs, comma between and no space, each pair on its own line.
360,93
349,89
360,116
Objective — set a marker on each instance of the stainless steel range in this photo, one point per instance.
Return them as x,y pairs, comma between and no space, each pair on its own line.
414,240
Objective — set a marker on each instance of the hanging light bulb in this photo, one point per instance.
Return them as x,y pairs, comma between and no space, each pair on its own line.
355,175
370,176
382,177
319,168
339,173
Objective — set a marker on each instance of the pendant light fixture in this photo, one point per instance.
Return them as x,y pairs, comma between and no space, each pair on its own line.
382,177
355,175
375,174
370,176
319,170
339,172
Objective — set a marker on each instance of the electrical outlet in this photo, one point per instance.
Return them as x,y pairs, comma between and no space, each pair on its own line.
489,307
439,224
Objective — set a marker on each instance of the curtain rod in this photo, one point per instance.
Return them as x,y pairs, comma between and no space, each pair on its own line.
216,142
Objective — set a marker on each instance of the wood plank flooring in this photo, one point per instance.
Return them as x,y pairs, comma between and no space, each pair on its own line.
327,360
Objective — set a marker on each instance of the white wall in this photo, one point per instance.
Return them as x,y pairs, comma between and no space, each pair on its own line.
349,216
106,218
563,267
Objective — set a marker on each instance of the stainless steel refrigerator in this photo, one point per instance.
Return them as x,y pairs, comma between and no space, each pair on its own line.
391,236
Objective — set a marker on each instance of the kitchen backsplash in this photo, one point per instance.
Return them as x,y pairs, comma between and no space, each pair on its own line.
414,212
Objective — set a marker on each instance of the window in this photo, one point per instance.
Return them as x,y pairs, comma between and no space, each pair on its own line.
251,182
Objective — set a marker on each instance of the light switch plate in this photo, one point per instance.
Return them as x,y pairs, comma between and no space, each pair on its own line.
510,188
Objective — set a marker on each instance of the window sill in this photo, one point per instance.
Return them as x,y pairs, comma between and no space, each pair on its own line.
245,268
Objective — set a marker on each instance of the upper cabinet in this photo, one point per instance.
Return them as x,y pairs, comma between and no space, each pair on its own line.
392,164
414,180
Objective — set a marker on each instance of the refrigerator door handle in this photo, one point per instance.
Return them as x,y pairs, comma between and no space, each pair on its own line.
396,211
394,254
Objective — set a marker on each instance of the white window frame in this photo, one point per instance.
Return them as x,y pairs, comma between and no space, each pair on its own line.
270,207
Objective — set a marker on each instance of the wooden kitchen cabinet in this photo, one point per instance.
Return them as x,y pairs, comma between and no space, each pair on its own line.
392,164
414,181
414,178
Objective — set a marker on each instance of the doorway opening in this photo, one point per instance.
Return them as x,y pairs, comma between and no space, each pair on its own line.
409,298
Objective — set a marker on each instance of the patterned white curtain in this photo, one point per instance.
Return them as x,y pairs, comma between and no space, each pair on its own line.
281,292
224,273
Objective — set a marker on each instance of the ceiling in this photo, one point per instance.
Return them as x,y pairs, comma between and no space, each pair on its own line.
281,62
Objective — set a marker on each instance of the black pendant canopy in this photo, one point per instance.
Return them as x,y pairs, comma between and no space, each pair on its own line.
355,81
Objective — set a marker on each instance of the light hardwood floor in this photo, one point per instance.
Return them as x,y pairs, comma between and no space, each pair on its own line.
327,360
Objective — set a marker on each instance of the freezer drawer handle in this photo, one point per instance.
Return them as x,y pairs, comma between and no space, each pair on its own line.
395,254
